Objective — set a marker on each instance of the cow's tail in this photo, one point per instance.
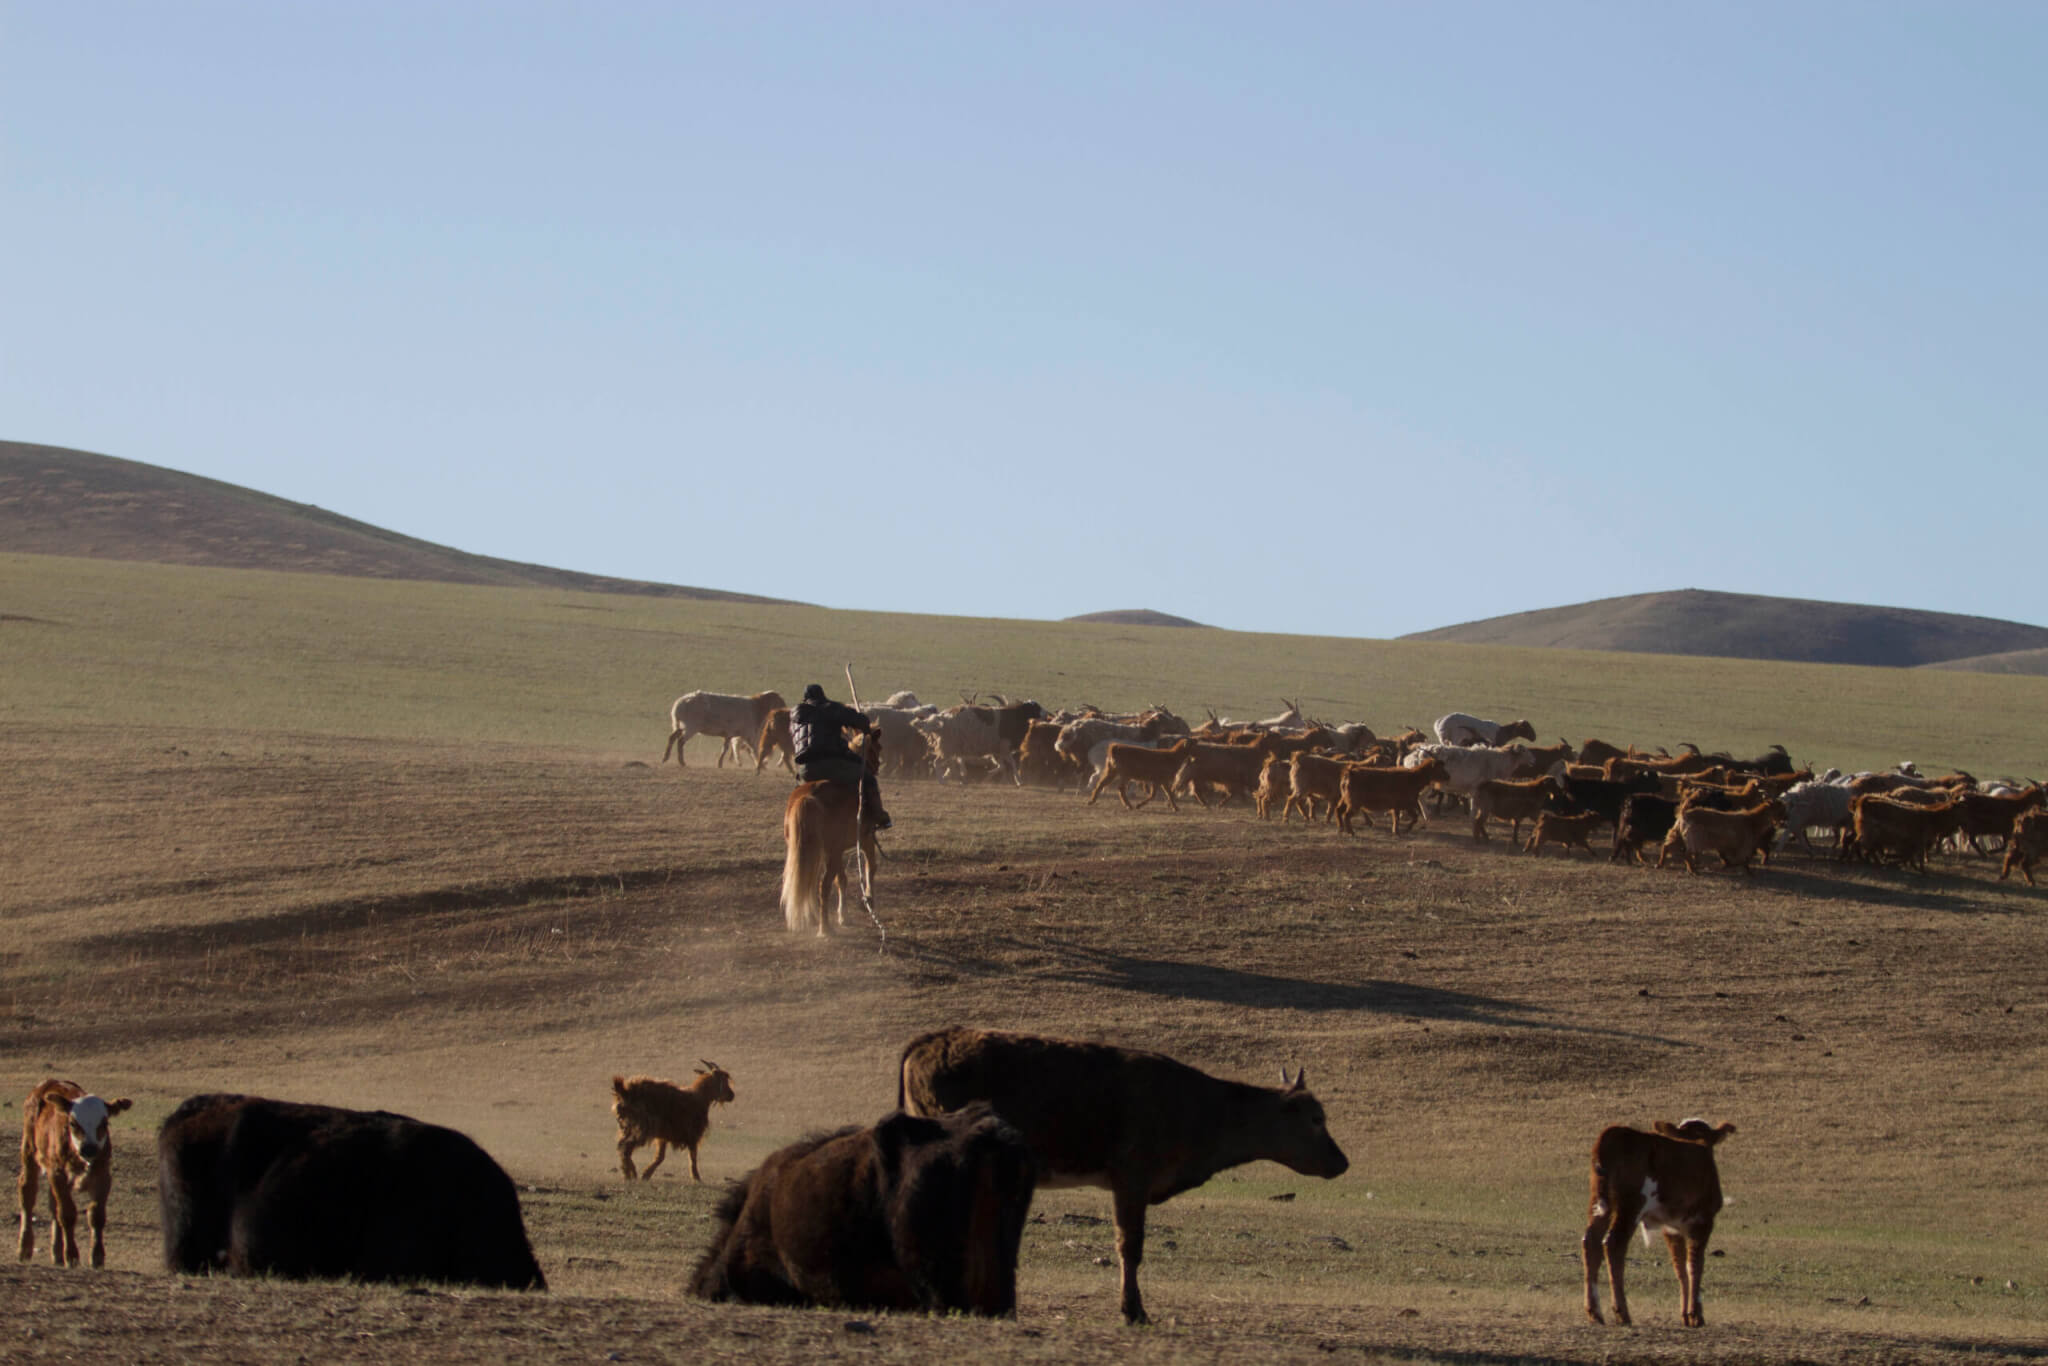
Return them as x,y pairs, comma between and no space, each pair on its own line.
803,866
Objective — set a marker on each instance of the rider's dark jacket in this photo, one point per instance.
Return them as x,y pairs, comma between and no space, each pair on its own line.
816,730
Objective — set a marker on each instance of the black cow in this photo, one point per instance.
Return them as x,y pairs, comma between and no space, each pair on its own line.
911,1213
269,1187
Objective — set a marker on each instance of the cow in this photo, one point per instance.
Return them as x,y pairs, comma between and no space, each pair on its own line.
650,1110
65,1138
1461,729
1141,1124
914,1212
1666,1180
259,1187
735,720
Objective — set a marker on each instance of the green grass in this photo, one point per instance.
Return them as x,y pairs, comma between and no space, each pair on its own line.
109,642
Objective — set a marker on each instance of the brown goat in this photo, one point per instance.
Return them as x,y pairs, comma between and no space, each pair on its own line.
1555,827
1665,1180
2028,841
775,739
650,1110
1124,764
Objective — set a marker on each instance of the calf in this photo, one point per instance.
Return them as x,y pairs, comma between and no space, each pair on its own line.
1664,1180
912,1213
662,1113
2028,841
1143,1125
261,1187
64,1136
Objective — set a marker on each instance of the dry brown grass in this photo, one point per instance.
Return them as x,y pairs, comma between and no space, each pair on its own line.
482,936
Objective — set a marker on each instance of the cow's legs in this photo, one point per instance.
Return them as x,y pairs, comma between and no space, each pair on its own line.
96,1215
1689,1260
660,1153
28,1203
1590,1255
63,1223
1130,1250
1615,1244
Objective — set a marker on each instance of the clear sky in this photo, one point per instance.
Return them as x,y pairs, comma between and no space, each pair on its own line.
1350,319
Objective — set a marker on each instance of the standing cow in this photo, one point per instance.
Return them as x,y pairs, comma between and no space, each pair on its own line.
1141,1124
65,1137
912,1213
261,1187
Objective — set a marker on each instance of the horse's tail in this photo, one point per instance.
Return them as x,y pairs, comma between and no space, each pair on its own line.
803,864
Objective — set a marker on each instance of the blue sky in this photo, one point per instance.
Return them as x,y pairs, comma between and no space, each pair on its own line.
1349,320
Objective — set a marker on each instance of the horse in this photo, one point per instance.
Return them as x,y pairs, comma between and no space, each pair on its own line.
817,831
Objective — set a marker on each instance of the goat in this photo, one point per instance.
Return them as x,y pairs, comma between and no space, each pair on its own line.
1564,830
1127,763
650,1110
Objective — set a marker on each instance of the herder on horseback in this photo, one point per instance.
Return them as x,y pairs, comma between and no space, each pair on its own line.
817,731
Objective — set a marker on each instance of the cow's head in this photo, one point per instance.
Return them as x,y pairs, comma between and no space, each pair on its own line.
87,1117
1306,1145
1695,1131
716,1082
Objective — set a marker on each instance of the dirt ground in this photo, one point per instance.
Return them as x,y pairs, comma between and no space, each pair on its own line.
483,936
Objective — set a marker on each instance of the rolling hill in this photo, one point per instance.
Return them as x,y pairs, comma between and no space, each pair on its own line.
56,501
1746,626
1136,616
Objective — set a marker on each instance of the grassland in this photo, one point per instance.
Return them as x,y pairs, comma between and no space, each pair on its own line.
391,844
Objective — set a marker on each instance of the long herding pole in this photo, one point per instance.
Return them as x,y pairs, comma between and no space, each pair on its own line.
860,827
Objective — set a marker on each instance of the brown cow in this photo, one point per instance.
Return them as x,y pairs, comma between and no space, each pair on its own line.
912,1213
64,1136
1141,1124
650,1110
1665,1180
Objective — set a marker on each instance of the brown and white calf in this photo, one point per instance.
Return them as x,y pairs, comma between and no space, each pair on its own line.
64,1136
1664,1180
650,1110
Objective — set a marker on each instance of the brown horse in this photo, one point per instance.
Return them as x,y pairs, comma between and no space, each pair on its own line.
817,831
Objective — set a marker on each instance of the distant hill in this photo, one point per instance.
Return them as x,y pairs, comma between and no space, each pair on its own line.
55,501
2011,662
1745,626
1137,616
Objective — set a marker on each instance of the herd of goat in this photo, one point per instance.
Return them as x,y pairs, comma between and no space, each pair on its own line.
1689,805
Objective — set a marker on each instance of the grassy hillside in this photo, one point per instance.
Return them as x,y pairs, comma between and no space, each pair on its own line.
116,643
2033,663
55,501
1745,626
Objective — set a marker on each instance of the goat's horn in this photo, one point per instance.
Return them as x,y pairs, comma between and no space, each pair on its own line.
710,1064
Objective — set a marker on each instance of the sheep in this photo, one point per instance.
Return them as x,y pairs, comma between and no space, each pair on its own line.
650,1110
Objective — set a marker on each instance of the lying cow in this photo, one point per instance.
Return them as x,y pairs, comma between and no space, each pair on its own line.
64,1136
1143,1125
261,1187
912,1213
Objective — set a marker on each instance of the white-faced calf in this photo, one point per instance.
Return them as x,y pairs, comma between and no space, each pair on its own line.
64,1136
1665,1180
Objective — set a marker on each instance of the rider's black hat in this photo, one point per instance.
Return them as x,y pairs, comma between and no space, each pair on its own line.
814,693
